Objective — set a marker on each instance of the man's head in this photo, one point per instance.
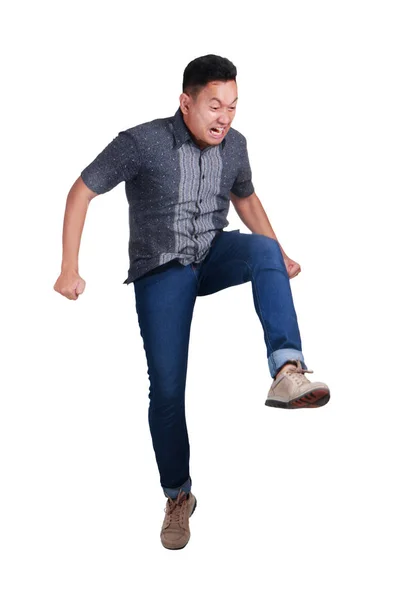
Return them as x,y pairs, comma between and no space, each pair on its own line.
208,100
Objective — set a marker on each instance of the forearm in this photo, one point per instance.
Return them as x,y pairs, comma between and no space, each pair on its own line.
253,215
74,218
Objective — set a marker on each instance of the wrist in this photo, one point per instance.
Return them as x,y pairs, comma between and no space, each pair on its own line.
65,266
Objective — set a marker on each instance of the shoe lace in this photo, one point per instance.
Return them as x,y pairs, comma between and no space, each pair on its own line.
296,372
174,507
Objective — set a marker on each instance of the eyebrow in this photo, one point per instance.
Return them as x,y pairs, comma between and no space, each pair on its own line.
218,100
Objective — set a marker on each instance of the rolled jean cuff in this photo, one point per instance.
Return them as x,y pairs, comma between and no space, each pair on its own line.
277,359
173,492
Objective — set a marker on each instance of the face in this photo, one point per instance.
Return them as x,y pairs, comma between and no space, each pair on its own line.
209,116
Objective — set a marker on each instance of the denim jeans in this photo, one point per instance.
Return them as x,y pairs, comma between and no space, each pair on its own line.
165,299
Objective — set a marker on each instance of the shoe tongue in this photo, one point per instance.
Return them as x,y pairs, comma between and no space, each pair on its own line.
289,367
181,496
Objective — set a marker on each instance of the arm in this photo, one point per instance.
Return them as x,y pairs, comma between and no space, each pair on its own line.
69,283
119,161
253,215
77,204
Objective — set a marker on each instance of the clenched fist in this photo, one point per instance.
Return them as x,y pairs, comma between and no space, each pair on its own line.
293,268
70,284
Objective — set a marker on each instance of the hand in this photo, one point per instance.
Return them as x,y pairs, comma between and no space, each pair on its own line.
70,285
293,268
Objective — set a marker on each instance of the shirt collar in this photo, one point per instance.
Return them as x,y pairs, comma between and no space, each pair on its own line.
181,131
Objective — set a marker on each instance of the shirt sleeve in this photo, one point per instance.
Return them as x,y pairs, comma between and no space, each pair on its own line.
119,161
243,185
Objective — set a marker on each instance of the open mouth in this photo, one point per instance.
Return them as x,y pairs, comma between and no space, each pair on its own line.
217,132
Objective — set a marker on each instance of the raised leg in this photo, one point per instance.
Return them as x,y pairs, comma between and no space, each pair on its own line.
237,258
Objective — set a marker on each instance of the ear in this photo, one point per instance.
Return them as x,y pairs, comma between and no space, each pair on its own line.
184,103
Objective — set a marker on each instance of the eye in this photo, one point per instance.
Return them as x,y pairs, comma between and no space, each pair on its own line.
214,107
232,108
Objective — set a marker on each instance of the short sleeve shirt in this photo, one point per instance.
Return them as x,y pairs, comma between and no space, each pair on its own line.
178,194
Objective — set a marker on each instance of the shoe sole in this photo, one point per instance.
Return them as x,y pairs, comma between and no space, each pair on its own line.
181,547
313,399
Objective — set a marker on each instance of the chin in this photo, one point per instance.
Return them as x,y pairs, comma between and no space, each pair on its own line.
214,141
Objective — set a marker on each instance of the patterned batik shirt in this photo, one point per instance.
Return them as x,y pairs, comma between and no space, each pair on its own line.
178,194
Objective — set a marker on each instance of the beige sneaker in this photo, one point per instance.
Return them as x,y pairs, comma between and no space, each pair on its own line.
292,389
175,532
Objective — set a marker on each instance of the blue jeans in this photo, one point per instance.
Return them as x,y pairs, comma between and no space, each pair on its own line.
165,299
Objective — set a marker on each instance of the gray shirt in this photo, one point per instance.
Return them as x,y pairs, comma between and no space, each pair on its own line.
178,195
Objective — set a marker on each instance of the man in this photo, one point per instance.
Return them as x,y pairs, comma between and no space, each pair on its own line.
181,173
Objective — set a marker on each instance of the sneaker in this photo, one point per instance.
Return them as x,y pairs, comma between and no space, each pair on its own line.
292,389
175,532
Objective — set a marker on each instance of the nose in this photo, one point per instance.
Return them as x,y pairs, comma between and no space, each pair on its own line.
224,118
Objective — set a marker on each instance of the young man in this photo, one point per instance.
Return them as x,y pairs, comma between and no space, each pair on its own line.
181,174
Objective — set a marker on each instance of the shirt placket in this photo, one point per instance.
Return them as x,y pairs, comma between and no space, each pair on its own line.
199,200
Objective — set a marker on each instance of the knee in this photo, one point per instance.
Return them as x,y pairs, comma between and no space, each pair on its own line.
166,408
166,399
266,250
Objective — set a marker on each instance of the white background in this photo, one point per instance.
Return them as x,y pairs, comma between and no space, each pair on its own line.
291,504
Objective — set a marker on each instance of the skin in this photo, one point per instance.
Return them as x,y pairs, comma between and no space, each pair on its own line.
214,106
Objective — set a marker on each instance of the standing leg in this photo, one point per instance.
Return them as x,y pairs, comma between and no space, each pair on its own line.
165,300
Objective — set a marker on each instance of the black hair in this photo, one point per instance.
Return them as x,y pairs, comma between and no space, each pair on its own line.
204,69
